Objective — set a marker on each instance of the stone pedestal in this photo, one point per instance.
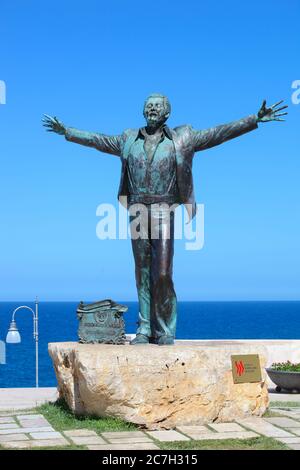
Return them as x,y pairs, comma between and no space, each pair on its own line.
158,386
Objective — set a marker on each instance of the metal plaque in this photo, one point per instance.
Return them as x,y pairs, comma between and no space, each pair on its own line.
246,368
101,322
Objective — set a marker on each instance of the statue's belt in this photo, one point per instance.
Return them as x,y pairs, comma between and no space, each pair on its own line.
153,198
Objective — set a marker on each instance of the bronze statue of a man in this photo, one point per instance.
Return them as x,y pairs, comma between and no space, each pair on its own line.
157,170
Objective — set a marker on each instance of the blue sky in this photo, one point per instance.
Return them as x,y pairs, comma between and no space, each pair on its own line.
92,64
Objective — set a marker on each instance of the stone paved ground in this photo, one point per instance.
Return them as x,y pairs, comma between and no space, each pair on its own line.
23,431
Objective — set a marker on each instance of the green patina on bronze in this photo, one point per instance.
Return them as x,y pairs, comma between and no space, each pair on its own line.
157,168
101,322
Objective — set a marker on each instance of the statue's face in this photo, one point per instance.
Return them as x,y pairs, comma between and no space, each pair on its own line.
155,111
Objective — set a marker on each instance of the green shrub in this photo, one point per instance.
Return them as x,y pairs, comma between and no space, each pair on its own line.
286,366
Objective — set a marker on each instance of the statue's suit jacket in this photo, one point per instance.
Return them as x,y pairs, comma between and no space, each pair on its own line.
186,140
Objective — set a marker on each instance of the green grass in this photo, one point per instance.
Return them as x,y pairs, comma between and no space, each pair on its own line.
271,414
258,443
61,418
285,404
287,366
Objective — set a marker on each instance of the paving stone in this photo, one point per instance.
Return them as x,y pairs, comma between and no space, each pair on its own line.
222,435
128,440
290,413
196,429
294,446
36,443
9,426
122,434
226,427
8,419
26,430
261,426
29,416
283,422
294,431
146,446
34,423
13,437
79,432
46,435
84,440
288,440
167,436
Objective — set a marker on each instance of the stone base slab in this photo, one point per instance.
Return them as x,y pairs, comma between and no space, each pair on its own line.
158,386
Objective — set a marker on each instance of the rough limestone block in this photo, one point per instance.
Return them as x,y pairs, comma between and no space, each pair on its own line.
189,383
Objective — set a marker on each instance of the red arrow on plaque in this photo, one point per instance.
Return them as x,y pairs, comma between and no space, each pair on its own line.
240,368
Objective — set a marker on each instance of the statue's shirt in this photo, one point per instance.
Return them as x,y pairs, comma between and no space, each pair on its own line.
157,175
151,167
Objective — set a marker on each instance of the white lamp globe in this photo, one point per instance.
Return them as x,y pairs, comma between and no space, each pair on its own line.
13,335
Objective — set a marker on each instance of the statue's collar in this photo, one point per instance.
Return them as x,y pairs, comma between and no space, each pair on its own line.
142,134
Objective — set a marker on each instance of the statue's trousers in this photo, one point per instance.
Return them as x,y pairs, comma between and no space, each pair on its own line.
153,249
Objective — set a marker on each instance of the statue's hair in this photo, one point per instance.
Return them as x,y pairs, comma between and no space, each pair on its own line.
167,104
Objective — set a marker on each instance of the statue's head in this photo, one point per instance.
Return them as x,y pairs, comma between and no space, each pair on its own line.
157,109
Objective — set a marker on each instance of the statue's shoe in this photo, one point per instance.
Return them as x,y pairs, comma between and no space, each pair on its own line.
165,340
140,339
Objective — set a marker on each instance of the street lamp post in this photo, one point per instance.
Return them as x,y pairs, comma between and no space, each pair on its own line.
13,335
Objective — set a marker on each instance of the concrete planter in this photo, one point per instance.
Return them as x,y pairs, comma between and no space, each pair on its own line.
285,379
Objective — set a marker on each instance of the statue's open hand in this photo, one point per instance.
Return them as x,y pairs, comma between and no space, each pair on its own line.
52,124
272,113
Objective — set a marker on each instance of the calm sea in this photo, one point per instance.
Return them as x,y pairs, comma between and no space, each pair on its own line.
196,320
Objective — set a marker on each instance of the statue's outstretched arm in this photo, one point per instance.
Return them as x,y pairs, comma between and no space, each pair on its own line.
213,136
104,143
